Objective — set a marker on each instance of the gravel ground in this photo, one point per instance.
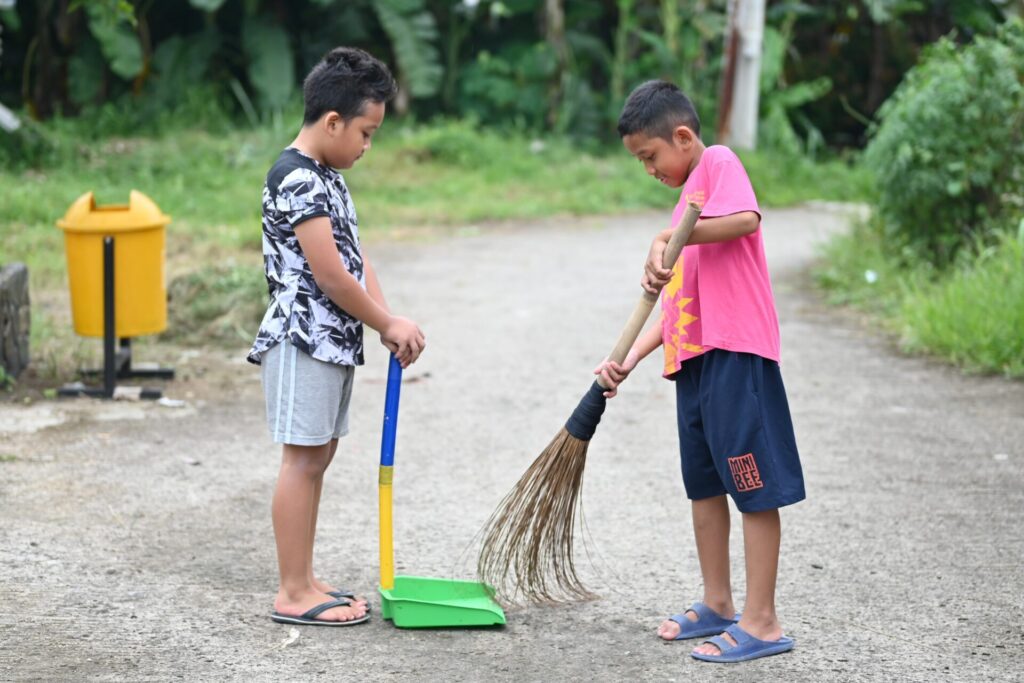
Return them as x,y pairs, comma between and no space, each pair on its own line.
136,542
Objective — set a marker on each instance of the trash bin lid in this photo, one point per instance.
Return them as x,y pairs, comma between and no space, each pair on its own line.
141,213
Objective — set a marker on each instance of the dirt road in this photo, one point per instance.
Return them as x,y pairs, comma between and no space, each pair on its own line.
136,545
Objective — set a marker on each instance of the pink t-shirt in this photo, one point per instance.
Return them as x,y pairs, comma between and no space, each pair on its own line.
720,296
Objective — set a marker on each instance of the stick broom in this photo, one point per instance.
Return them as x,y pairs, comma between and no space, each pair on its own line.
527,550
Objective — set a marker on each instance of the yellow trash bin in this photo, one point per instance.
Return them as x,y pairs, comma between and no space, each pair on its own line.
140,286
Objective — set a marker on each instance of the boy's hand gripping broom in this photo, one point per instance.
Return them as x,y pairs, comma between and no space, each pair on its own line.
527,549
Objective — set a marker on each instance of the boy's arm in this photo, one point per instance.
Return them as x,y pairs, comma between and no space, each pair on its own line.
400,335
707,230
613,374
373,287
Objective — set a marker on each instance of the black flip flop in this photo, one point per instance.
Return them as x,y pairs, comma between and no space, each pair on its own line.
309,617
347,595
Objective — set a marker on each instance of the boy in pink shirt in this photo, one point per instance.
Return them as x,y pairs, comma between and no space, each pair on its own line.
720,335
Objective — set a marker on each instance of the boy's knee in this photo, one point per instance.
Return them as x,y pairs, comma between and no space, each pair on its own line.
311,461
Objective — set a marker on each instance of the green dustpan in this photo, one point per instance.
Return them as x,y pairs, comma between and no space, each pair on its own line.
416,601
421,602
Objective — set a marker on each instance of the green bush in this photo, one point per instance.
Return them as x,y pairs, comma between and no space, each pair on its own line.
949,153
975,317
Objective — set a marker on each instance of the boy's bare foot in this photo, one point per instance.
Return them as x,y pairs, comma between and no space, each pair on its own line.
765,630
670,629
297,605
328,589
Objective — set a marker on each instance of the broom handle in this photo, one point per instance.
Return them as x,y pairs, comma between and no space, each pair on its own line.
642,311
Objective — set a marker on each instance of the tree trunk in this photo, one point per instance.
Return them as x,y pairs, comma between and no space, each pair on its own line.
876,91
554,33
456,32
621,54
725,90
670,33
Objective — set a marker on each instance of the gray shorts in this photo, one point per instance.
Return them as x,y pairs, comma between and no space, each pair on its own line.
307,399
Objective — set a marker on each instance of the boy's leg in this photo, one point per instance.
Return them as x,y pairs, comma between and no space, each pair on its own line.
711,530
317,583
319,486
292,509
762,535
707,494
757,459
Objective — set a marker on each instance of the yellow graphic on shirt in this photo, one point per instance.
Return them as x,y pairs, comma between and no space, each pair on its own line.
676,319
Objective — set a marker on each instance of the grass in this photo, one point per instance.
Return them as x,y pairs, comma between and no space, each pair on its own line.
209,181
975,317
450,174
446,174
970,315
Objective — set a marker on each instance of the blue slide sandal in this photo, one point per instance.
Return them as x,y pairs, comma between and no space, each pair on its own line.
746,647
709,622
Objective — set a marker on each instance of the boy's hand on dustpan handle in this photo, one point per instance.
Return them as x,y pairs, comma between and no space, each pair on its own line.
403,338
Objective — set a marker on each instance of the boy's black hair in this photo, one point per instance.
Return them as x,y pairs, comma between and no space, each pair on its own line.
344,81
655,109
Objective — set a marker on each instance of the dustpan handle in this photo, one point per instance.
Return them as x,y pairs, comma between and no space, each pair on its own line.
387,442
386,474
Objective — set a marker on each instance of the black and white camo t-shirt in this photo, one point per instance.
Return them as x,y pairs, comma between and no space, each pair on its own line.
299,188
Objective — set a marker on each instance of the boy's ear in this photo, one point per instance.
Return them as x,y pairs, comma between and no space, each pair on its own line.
332,121
683,136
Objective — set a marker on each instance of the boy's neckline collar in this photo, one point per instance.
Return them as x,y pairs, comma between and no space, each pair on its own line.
310,157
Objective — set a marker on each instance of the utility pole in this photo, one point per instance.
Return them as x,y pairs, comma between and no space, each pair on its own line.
739,95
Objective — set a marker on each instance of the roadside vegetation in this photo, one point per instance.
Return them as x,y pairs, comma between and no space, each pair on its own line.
941,261
507,112
435,176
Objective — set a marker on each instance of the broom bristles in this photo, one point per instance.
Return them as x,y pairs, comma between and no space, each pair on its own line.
527,550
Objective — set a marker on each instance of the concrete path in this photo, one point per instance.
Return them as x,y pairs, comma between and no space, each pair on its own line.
136,545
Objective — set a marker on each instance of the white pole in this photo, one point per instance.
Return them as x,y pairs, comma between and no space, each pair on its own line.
747,86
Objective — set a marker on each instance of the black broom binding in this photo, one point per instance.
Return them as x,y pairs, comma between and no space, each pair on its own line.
584,420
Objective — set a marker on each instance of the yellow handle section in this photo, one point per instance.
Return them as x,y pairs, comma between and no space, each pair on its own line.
387,550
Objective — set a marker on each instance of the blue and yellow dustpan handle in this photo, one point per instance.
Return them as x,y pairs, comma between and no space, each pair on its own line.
386,473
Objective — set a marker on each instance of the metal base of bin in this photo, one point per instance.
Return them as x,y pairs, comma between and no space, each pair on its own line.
78,390
123,366
117,364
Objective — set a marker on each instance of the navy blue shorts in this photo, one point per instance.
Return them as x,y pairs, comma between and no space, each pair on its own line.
735,431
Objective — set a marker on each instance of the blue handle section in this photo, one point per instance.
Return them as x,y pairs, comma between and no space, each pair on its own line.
387,442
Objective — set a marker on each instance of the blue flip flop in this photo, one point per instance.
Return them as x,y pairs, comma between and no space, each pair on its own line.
746,647
346,595
309,617
709,622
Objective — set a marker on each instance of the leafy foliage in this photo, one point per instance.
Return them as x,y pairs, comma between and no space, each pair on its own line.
413,34
271,63
781,101
536,65
207,5
949,154
180,62
117,39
